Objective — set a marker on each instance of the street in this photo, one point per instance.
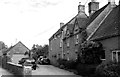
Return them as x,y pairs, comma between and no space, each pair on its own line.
43,70
51,70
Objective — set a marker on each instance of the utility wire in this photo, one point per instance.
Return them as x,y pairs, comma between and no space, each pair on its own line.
45,31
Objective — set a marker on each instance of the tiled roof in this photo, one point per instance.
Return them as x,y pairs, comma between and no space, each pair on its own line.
15,45
110,26
81,18
82,22
94,15
94,25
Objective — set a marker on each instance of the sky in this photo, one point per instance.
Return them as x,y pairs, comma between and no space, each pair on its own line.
35,21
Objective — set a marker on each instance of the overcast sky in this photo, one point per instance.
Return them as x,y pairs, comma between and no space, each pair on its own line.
35,21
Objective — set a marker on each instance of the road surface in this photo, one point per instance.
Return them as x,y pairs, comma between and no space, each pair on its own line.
51,70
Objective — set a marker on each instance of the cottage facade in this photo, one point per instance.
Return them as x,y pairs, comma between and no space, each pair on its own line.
108,33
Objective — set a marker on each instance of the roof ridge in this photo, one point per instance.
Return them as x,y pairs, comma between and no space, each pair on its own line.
99,25
16,44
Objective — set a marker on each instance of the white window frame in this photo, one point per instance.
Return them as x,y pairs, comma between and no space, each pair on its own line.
116,51
68,42
77,39
68,33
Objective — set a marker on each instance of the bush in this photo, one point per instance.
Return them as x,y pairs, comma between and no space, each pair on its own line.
91,52
71,64
85,69
109,69
63,63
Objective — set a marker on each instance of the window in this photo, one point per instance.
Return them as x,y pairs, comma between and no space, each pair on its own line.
76,30
116,55
68,43
67,33
77,39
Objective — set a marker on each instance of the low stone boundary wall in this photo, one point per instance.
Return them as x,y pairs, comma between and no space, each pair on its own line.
16,69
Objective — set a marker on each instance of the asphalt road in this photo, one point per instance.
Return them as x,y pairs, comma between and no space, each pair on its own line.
45,70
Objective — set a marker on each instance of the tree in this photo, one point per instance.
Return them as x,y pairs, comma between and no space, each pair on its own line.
3,47
90,52
39,50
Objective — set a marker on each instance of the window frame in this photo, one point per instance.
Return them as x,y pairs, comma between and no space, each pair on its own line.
68,43
116,55
77,39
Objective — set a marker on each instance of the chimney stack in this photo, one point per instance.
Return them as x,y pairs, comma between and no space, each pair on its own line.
61,24
93,6
81,8
112,2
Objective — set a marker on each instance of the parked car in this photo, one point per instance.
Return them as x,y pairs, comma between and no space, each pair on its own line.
22,61
31,63
43,61
28,62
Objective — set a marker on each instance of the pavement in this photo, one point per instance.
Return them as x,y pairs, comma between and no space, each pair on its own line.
50,70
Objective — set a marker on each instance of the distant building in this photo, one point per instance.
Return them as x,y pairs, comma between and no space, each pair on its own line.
17,52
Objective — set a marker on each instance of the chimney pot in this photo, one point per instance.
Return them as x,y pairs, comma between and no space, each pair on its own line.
93,6
81,8
112,2
61,24
79,3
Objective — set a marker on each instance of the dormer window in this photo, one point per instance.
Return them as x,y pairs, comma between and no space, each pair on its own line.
76,29
116,55
64,31
68,33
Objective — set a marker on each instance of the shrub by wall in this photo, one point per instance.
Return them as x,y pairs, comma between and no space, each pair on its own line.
67,64
109,69
85,69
